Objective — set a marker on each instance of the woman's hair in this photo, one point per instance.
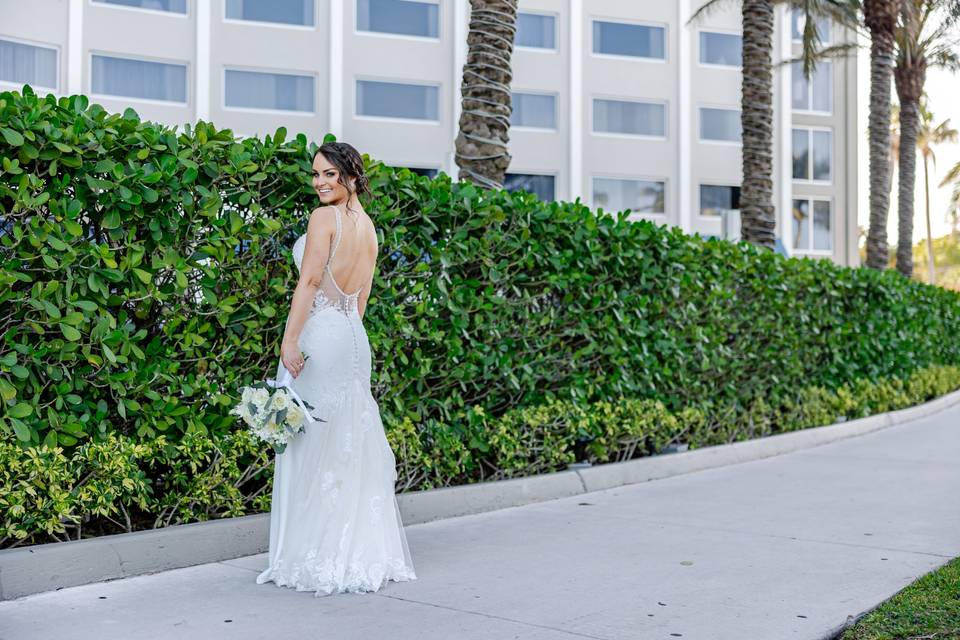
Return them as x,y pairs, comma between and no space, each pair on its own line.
349,163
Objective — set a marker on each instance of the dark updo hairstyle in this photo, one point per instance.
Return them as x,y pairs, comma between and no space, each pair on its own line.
349,163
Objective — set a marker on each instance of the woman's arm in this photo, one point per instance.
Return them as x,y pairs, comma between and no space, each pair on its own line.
320,230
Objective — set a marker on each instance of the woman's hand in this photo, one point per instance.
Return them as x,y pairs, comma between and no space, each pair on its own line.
291,357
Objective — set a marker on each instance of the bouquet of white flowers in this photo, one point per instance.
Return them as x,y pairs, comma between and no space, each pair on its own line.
277,417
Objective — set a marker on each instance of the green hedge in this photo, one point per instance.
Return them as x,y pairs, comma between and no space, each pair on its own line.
124,484
145,275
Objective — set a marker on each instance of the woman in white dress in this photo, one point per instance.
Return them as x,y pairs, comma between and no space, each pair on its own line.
334,522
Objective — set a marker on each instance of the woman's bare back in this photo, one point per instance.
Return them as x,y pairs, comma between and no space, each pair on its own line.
355,258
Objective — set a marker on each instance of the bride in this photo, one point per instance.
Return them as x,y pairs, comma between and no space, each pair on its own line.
334,522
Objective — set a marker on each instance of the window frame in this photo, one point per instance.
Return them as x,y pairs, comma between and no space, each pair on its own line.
556,32
103,3
288,72
395,119
188,76
714,183
823,40
277,25
556,111
35,43
810,200
715,65
633,136
639,23
716,107
810,129
633,215
402,36
810,110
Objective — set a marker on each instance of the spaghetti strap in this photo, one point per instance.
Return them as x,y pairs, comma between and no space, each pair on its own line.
336,237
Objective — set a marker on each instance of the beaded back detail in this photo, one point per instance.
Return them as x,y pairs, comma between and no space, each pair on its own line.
329,294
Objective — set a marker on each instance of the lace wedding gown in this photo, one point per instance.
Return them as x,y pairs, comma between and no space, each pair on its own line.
334,522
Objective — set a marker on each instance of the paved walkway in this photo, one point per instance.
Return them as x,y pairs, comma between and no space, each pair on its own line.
786,547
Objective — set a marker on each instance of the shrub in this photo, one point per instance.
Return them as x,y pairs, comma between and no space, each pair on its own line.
121,484
146,275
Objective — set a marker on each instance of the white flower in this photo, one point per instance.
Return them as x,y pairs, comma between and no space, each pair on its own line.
281,400
296,417
260,398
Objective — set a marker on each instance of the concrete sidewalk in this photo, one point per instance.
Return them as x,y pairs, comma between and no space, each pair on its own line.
784,547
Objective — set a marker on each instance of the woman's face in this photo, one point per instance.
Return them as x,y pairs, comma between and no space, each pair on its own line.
325,181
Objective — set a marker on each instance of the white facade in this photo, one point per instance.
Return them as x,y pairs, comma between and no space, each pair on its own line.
621,103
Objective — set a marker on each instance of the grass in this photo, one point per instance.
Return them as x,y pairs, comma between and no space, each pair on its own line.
928,609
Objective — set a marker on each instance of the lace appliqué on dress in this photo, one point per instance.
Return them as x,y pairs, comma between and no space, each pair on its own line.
326,575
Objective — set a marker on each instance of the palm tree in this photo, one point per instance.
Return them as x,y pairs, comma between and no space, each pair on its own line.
927,137
923,38
880,17
481,144
757,217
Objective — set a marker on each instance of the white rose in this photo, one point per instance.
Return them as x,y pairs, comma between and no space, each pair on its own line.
281,400
295,417
260,398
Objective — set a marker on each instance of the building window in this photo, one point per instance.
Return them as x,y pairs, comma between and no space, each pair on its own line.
170,6
812,234
262,90
295,12
815,94
721,125
535,110
798,22
633,118
398,100
635,40
536,30
539,185
812,156
129,78
404,17
721,48
421,171
715,199
639,196
28,64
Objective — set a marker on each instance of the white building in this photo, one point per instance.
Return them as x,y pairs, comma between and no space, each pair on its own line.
621,103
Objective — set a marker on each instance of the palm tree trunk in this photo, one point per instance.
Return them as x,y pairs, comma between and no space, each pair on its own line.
758,221
880,17
909,121
926,188
481,144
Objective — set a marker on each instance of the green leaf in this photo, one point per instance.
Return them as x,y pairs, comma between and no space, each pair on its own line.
69,332
22,431
12,137
144,276
111,220
20,410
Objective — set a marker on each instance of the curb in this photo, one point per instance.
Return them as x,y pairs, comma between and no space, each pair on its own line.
58,565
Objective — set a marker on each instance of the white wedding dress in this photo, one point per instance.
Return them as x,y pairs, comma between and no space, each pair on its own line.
334,522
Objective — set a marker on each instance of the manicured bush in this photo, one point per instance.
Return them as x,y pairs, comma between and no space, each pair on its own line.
122,484
145,276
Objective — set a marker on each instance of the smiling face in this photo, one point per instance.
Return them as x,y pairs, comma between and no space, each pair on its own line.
326,181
